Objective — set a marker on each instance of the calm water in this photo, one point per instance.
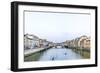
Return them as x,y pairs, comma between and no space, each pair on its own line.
54,54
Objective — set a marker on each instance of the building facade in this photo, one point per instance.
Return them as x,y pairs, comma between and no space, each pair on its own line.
30,41
80,42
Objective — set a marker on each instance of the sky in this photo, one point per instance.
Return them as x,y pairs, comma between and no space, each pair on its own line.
56,27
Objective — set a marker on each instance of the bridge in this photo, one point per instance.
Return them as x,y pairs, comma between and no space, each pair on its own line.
59,45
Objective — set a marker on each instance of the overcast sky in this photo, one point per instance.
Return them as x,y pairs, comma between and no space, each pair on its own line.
57,27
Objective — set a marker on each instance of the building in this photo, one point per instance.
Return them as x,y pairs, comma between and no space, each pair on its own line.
85,43
30,41
43,43
80,42
66,43
50,44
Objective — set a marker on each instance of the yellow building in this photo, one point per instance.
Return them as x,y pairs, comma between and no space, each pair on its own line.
85,43
80,42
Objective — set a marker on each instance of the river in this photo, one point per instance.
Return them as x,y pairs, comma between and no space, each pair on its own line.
52,54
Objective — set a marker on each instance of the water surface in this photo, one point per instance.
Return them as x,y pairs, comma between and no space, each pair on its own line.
52,54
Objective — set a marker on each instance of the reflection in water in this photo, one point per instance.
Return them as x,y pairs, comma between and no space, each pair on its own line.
54,54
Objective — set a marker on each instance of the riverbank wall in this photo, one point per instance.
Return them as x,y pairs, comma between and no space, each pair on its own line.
32,51
84,52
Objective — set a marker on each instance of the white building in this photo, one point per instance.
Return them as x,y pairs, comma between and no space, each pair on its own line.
31,41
